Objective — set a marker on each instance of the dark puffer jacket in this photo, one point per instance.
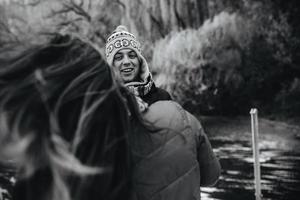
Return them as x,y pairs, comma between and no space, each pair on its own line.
156,94
176,159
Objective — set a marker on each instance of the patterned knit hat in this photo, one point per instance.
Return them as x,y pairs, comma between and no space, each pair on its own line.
122,39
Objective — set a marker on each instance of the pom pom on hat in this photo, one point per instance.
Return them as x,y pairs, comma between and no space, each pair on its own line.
121,28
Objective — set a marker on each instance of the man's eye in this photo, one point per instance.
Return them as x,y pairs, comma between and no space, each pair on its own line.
132,55
118,57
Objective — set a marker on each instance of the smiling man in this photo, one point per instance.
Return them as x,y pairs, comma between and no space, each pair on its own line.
127,64
123,54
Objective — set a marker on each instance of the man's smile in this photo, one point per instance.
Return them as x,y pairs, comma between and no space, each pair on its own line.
127,70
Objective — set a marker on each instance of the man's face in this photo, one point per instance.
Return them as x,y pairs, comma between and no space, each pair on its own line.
127,65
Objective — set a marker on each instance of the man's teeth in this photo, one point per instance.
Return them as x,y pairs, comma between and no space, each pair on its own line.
127,70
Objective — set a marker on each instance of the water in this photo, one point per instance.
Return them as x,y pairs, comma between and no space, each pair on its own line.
280,171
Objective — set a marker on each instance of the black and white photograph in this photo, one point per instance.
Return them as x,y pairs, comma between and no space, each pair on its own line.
149,100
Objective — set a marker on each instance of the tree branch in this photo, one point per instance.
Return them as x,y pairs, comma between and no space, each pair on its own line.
160,26
78,10
71,6
161,30
180,21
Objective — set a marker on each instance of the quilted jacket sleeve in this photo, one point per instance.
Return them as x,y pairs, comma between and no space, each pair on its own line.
210,167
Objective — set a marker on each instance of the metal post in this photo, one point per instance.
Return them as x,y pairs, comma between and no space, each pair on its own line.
255,148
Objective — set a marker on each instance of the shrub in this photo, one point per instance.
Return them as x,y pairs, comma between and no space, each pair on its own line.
230,64
195,64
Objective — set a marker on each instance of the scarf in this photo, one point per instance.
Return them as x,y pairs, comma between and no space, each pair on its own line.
141,89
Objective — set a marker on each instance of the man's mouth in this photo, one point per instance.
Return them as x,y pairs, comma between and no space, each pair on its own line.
127,70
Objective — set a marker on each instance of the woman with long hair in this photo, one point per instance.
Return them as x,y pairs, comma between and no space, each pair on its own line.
75,132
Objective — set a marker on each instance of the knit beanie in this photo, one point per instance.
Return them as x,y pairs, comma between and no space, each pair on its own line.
122,39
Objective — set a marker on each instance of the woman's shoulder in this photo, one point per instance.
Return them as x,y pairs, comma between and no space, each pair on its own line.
165,113
171,114
165,107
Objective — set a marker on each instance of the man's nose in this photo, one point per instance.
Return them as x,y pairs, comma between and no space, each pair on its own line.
126,60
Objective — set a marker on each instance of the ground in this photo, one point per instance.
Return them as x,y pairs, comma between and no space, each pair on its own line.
284,135
279,144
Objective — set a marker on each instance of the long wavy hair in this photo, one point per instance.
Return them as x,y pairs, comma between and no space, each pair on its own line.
66,123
